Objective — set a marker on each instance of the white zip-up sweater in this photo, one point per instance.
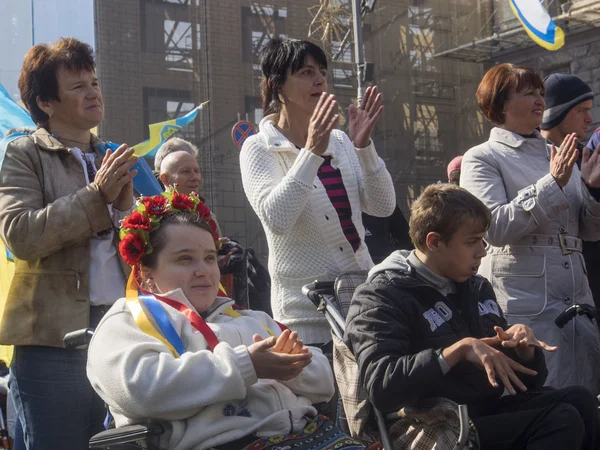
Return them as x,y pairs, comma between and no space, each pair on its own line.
306,241
205,398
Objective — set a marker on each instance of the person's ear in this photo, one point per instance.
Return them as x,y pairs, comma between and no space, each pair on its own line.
145,278
433,241
164,179
44,106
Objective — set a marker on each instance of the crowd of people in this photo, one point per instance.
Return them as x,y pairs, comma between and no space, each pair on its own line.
460,302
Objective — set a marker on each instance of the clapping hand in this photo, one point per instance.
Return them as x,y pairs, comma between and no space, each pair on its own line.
289,343
322,122
281,358
563,160
363,119
590,167
115,177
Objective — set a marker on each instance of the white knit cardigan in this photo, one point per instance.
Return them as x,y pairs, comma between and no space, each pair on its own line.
306,241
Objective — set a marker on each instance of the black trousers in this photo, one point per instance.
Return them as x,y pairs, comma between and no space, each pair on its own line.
565,419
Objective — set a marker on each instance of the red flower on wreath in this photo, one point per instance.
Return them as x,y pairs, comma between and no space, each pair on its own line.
132,248
203,211
182,201
155,206
137,221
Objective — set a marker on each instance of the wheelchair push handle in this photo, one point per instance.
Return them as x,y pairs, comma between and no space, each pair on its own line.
576,310
78,339
315,289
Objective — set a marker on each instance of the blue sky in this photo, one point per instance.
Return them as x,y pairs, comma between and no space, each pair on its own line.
50,20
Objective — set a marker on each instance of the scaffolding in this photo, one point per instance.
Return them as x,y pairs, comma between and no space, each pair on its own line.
572,17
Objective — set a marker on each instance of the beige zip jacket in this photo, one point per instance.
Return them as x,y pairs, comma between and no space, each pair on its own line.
47,217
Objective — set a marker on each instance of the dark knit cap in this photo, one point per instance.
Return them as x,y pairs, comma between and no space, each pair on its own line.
563,93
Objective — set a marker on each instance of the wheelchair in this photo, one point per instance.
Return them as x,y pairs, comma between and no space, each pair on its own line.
332,298
131,437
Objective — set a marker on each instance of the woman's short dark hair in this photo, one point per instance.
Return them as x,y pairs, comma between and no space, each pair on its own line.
41,64
158,240
492,92
277,57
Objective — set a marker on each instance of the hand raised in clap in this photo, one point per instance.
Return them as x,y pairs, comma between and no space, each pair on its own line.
362,120
590,167
115,177
323,120
276,364
289,344
563,160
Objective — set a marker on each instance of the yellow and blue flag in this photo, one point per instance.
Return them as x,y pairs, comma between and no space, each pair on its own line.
160,132
538,23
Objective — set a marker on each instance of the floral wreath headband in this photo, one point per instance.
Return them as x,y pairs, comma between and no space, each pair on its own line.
136,227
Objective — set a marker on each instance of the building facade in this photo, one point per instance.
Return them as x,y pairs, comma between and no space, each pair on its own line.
160,58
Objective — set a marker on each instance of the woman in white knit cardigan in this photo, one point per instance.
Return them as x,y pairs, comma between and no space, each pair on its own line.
309,182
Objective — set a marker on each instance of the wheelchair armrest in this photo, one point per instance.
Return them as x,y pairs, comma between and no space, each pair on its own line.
78,339
127,434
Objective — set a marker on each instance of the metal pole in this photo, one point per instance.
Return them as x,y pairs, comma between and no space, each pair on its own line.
358,47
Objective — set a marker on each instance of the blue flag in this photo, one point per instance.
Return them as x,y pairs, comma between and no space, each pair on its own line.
12,115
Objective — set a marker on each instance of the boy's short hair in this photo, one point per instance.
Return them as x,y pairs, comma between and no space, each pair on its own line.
443,209
173,145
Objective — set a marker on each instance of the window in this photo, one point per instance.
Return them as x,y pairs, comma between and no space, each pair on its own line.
343,54
180,37
417,38
165,104
343,78
259,24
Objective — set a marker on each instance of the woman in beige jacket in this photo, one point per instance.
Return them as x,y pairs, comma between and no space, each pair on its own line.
542,206
59,204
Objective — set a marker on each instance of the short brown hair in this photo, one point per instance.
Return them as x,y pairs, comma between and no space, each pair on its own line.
492,92
38,75
443,209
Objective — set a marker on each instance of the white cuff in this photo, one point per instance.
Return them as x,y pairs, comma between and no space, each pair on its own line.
305,168
368,158
117,216
244,364
443,364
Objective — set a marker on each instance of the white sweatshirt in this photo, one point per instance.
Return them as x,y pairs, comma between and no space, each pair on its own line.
306,240
205,398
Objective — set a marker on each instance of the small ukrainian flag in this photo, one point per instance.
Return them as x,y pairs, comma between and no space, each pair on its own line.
161,131
538,24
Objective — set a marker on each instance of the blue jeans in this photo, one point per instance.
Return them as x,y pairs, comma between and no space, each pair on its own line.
54,401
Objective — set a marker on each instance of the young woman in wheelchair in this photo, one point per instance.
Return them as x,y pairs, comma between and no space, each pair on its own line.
176,352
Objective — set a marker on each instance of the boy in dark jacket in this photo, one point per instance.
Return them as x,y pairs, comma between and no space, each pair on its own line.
426,325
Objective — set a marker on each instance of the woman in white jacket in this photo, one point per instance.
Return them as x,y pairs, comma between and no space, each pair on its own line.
309,183
181,355
542,206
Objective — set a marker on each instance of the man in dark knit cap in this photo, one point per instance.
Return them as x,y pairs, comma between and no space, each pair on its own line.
568,105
